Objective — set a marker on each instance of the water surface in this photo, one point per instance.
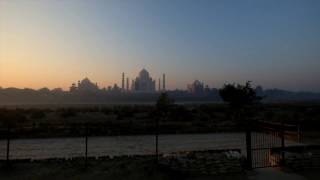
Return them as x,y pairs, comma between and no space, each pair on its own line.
120,145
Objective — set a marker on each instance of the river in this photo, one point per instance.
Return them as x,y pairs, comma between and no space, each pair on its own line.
119,145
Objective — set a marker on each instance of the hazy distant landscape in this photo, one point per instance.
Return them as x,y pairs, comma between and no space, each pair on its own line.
15,96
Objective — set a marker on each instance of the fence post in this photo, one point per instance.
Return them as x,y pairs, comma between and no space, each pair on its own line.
282,144
157,139
86,153
300,139
249,152
8,146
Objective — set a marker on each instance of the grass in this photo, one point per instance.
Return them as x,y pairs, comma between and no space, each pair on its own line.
128,120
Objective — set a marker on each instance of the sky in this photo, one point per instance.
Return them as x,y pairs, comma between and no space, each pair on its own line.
53,43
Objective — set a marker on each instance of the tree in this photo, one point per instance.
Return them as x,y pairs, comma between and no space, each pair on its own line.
241,98
239,95
44,90
162,108
164,103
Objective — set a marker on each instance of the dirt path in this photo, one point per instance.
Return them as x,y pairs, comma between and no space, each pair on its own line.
273,174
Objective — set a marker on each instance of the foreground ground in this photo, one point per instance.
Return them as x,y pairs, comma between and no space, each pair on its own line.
138,169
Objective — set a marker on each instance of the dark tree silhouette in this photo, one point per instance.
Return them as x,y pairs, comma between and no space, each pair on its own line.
241,98
10,119
164,103
162,107
239,95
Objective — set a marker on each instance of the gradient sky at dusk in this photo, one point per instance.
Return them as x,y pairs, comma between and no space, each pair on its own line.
52,43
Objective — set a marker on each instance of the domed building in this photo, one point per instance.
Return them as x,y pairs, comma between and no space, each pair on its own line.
144,83
84,86
196,88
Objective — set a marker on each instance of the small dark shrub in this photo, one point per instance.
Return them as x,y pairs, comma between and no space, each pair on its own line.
38,115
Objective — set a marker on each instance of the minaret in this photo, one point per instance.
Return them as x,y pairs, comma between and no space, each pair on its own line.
132,85
122,82
127,84
164,82
159,86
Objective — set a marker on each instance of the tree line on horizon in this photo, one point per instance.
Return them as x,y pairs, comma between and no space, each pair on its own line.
58,95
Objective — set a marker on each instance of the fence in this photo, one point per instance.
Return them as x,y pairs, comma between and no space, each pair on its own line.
263,137
89,144
258,142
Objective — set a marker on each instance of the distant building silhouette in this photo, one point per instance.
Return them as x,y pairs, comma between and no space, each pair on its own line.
159,85
164,82
73,87
116,88
132,85
84,86
122,87
127,84
196,88
144,83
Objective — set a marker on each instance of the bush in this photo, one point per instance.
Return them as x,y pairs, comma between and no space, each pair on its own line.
38,115
68,113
